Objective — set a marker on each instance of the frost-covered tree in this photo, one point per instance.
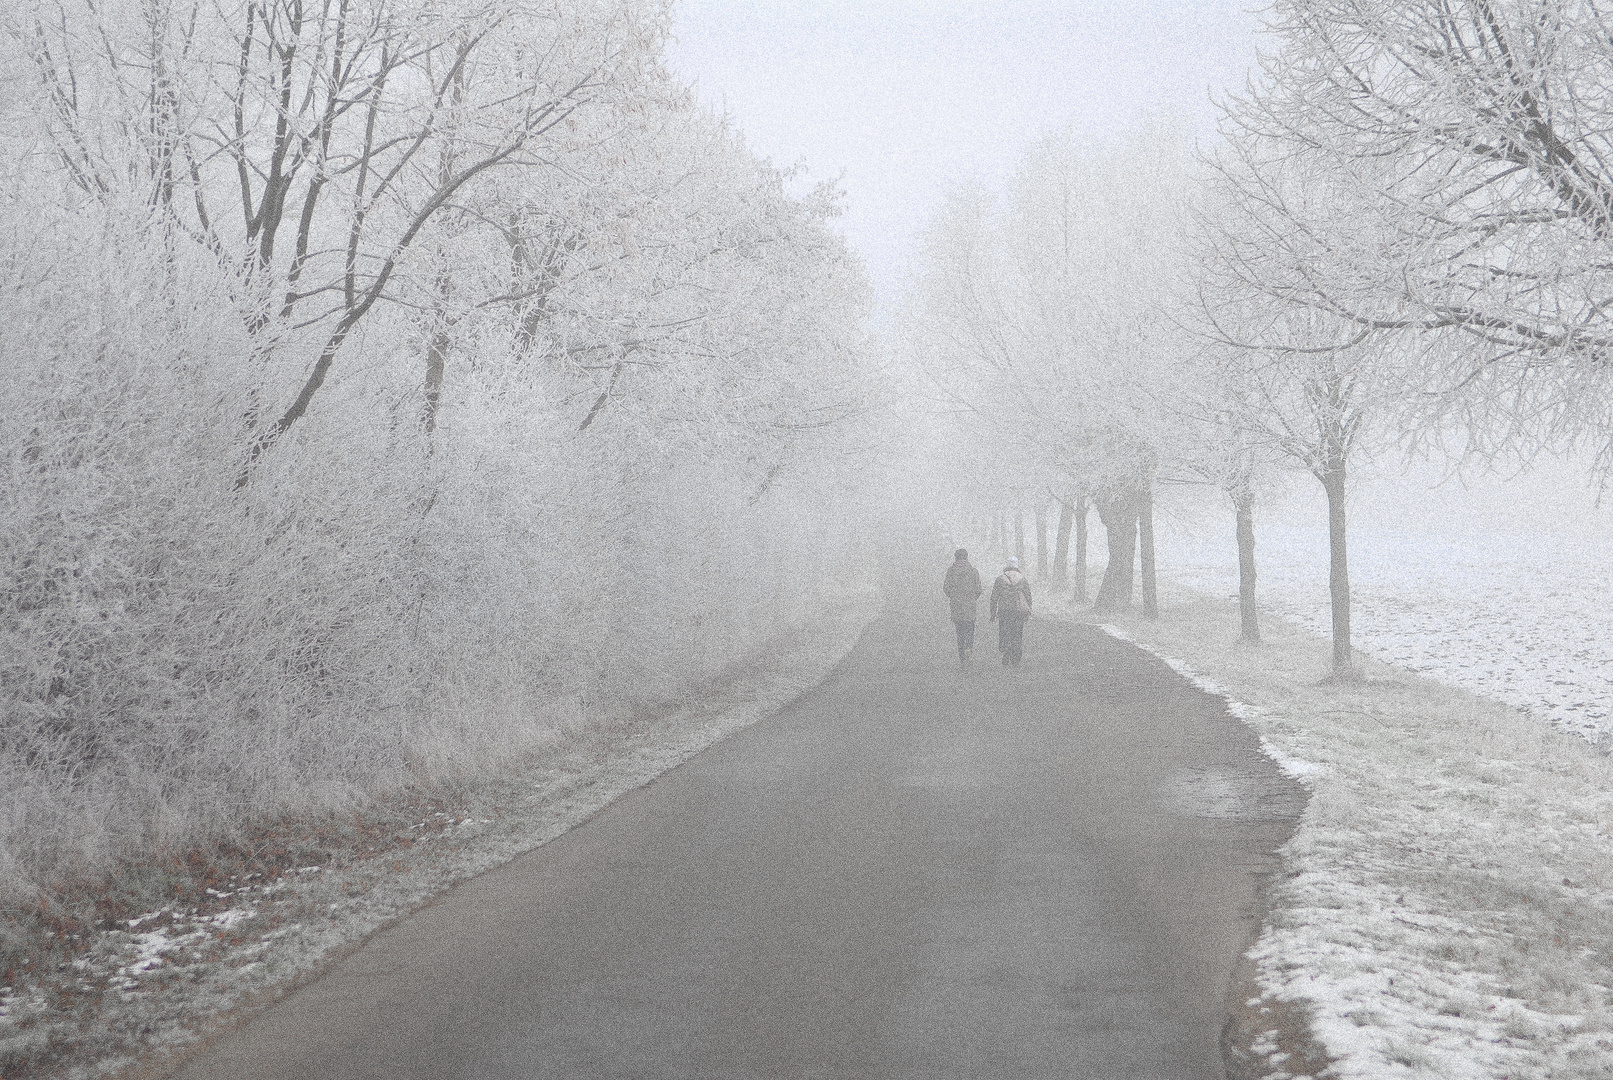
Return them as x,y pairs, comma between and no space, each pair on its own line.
1216,445
1277,374
549,397
1048,322
1470,139
309,148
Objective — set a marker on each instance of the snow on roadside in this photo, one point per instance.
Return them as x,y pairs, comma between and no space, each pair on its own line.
1295,768
161,981
1447,908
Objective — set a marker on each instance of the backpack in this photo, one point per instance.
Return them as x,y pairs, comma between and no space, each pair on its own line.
1016,602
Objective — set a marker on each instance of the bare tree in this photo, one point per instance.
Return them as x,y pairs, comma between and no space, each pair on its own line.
1283,375
309,147
1045,322
1469,139
585,329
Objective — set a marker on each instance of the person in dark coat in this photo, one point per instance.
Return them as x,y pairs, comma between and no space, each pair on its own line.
962,588
1010,610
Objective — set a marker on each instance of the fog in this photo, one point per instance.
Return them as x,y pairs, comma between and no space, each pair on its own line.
905,99
902,102
415,397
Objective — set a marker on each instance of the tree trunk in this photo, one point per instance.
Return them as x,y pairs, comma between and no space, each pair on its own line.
1061,548
1019,535
1119,517
1041,541
1145,541
1249,616
436,363
1082,509
1338,578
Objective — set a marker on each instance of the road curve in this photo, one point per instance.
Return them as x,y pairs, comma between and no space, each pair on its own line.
909,873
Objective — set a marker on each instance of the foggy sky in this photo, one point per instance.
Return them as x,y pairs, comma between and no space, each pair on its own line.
908,97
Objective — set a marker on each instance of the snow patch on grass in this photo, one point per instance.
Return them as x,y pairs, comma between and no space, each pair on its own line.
1447,907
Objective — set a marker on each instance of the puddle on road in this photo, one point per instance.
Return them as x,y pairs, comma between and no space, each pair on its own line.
1257,793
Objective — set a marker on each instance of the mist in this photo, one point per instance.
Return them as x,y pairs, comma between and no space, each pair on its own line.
456,400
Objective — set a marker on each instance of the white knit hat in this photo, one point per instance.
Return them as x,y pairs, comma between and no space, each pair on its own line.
1013,563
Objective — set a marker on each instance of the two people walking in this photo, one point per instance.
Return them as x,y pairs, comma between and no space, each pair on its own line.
1010,607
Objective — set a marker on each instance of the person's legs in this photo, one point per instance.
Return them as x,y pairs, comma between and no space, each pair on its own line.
966,640
1014,649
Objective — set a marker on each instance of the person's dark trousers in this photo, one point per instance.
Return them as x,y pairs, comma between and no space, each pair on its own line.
966,638
1011,638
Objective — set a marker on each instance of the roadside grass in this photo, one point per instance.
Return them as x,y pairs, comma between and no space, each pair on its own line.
115,976
1447,903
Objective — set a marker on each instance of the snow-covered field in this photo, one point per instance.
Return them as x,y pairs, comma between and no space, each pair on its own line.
1524,619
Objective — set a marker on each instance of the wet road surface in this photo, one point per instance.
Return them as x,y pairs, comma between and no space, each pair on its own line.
910,873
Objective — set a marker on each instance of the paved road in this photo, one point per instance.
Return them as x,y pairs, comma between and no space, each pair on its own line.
909,873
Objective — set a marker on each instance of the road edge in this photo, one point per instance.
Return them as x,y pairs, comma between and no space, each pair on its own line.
1263,1037
153,1030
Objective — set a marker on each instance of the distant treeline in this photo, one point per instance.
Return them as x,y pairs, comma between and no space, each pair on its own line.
1399,243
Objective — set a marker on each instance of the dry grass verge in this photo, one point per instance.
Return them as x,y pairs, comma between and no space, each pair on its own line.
115,978
1447,907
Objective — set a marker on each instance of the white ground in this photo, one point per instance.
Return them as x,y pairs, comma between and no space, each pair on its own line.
1447,903
1523,619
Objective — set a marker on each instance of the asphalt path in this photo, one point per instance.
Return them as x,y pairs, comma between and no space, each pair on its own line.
912,872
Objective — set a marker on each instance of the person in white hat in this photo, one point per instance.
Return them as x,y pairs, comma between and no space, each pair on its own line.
1010,609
